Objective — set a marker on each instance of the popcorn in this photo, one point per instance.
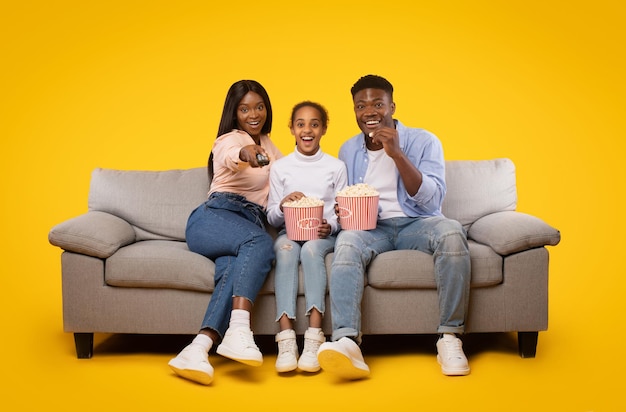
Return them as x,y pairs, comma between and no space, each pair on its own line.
305,202
303,218
358,207
358,190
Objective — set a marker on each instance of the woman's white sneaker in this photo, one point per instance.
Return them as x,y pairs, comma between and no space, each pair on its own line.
193,363
238,344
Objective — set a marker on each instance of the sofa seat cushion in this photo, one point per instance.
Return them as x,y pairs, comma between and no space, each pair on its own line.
160,264
411,269
170,264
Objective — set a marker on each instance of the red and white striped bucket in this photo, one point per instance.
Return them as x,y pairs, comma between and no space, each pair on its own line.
302,222
358,213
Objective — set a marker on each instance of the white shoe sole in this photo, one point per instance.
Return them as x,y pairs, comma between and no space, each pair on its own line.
247,360
453,371
195,375
286,368
341,365
309,368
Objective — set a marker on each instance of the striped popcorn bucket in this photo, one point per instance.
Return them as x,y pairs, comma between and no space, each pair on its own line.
302,222
358,213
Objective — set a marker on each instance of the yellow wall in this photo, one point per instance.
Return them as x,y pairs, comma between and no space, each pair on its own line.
141,84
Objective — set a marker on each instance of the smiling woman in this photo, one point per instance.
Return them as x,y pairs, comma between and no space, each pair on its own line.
229,228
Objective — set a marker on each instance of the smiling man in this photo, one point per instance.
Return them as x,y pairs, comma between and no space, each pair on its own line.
406,166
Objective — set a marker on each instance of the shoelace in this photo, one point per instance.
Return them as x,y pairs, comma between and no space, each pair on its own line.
453,348
196,350
247,339
311,345
287,346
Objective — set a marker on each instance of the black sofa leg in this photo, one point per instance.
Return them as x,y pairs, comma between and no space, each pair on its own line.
84,345
527,344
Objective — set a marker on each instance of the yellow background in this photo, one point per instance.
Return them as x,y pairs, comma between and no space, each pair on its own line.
141,84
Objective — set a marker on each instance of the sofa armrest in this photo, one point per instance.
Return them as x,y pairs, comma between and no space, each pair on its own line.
511,232
94,233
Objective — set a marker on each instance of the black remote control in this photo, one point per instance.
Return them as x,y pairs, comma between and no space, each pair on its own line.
262,160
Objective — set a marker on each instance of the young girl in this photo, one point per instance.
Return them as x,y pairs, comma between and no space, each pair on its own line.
229,228
307,171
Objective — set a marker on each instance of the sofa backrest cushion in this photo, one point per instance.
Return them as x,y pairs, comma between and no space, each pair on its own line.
477,188
156,203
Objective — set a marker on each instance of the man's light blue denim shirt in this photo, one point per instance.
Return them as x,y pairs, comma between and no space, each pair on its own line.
424,150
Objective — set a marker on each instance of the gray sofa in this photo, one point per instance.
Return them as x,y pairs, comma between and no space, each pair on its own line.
127,270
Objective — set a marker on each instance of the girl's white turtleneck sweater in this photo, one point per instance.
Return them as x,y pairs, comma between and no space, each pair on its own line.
319,175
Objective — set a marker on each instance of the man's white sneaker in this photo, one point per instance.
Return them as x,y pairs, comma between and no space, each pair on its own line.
450,355
287,358
343,358
238,344
193,363
308,361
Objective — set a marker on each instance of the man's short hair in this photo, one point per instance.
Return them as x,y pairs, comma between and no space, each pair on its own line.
372,81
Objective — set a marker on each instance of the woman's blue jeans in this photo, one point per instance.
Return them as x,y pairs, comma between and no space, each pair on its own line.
230,231
443,238
289,254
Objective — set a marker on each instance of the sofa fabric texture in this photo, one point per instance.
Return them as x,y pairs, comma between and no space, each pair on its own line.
129,248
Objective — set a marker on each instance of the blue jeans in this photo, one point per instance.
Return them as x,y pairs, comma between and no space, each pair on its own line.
230,231
443,238
312,254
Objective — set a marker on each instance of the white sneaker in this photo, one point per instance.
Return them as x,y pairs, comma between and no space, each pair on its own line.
193,363
238,344
308,361
450,355
287,358
343,358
